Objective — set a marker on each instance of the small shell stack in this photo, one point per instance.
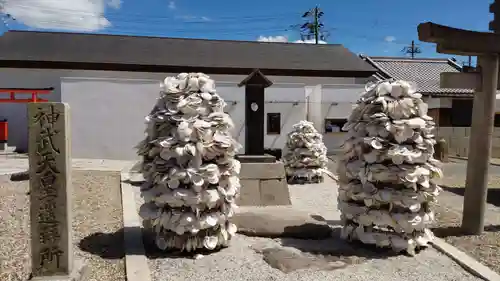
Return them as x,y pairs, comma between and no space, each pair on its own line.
191,175
385,174
305,159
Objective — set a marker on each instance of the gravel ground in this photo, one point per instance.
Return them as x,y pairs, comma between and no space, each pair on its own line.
241,262
486,247
97,208
244,259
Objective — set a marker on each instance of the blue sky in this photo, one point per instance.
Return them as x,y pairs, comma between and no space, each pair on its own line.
372,27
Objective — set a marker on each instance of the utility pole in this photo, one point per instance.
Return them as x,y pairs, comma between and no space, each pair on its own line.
316,25
412,49
312,29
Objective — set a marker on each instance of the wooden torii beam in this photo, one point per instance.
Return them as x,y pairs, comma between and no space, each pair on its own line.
485,82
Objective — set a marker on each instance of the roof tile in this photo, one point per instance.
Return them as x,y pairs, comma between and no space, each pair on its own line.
137,50
424,72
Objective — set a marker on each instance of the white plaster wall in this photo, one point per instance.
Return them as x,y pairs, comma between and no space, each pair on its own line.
438,102
290,101
338,102
107,115
235,100
101,97
314,106
16,113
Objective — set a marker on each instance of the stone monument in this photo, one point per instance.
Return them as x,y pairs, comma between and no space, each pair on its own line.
51,190
262,177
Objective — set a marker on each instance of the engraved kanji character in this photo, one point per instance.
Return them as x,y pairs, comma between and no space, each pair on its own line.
46,163
46,142
50,255
47,179
47,187
47,211
46,118
49,233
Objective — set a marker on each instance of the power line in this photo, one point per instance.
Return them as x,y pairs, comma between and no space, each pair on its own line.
127,22
142,16
129,28
250,25
412,49
158,31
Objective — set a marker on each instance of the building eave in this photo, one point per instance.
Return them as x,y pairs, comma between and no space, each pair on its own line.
178,69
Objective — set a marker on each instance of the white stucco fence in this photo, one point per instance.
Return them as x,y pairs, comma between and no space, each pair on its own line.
108,108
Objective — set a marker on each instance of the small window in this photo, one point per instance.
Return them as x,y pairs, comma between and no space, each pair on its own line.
497,120
334,125
273,123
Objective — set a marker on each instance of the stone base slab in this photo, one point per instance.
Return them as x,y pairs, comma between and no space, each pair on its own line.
263,184
266,158
80,273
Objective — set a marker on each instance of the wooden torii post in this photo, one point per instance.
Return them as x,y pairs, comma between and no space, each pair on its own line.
484,80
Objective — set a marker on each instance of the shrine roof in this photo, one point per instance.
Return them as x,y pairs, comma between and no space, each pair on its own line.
425,72
59,50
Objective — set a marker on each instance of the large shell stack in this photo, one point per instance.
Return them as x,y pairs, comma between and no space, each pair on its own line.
191,176
385,174
305,159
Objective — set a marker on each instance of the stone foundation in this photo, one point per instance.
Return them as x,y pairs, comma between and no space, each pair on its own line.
263,184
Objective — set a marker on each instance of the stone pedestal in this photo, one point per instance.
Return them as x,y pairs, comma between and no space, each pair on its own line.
263,181
266,158
80,272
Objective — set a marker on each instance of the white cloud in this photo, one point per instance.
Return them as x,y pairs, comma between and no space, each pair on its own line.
390,39
74,15
279,38
171,5
115,4
193,18
284,39
310,41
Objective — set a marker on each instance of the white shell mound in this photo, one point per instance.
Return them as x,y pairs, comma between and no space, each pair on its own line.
189,167
305,155
385,174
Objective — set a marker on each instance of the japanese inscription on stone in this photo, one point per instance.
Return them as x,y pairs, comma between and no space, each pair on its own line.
50,189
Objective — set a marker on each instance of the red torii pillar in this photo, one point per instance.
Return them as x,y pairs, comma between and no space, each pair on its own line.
34,92
11,92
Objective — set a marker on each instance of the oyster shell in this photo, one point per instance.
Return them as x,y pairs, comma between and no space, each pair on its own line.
191,176
305,153
386,172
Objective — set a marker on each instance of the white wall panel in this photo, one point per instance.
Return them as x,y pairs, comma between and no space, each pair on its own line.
107,115
108,107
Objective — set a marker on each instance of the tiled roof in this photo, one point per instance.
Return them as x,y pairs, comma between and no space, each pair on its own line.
424,72
150,52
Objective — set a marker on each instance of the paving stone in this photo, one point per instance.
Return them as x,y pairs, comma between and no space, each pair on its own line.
281,222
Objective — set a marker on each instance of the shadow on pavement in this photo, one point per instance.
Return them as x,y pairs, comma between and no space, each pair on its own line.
493,194
337,247
112,246
105,245
456,231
